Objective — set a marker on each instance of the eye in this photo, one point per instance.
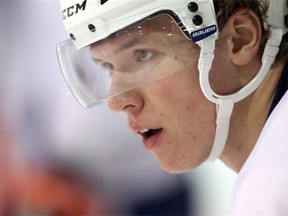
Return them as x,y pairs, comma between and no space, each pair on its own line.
108,66
143,55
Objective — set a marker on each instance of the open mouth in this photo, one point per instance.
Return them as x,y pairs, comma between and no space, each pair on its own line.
147,133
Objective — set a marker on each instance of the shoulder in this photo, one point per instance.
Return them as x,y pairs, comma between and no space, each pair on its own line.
262,184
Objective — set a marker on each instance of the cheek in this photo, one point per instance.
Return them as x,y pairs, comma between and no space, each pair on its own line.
181,90
224,77
189,122
180,95
190,134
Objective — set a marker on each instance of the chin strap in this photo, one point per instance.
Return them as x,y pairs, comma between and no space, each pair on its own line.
225,103
224,110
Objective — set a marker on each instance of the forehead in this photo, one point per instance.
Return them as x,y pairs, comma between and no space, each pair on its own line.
157,30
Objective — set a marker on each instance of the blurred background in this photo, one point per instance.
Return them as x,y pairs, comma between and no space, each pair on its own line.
57,158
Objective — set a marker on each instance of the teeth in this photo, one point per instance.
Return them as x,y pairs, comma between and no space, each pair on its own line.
143,131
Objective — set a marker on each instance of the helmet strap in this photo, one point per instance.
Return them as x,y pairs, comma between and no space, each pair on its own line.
225,103
224,110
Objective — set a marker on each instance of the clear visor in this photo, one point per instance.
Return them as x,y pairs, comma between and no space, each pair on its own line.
131,58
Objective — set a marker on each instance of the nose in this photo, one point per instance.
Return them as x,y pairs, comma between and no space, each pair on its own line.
130,101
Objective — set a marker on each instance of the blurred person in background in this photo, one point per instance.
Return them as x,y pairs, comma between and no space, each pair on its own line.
53,155
177,67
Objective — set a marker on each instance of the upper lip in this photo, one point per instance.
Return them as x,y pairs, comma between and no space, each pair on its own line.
140,129
137,128
143,130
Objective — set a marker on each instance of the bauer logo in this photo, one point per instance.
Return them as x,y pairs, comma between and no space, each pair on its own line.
203,33
74,9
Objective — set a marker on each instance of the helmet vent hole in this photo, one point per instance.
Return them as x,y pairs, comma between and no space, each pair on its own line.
72,36
92,28
103,1
197,20
193,7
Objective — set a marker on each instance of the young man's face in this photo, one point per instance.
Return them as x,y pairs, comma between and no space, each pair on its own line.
167,108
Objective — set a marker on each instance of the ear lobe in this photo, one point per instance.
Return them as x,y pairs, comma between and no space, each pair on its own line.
245,31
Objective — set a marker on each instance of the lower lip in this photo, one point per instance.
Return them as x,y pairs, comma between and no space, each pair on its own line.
152,141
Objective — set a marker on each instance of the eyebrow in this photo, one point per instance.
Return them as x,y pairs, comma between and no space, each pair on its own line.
123,46
129,44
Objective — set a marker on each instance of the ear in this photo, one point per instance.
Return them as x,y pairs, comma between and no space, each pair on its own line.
244,36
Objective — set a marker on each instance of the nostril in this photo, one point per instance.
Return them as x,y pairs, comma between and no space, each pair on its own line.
129,107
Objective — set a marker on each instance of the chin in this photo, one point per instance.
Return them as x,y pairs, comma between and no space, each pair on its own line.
177,166
174,168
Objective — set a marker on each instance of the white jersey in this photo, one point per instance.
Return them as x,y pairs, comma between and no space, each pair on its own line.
262,185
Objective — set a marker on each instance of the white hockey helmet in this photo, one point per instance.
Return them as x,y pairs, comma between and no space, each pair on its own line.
92,21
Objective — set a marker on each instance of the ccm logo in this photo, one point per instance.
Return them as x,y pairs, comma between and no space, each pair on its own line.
74,9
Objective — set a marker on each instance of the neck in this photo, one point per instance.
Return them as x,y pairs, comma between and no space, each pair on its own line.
248,119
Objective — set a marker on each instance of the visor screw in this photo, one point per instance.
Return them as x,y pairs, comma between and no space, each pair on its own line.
92,28
197,20
193,7
72,36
